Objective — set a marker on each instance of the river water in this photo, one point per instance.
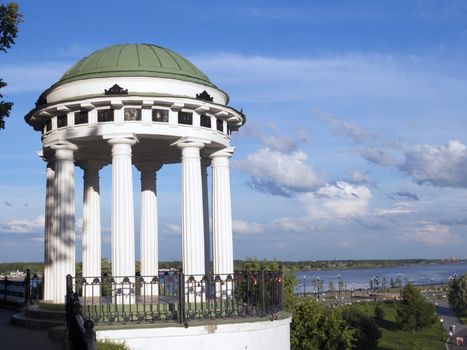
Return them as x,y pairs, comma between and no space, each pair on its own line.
360,278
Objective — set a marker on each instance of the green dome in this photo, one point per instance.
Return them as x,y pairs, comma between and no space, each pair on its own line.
135,60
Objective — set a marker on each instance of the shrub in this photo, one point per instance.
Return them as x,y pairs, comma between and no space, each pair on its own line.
108,345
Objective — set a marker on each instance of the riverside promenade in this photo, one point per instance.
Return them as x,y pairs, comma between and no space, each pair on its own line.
22,338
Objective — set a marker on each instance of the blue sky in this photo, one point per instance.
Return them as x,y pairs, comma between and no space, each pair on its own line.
355,144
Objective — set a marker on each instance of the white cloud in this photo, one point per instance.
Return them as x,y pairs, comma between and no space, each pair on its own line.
24,225
431,234
174,228
32,77
394,211
245,227
345,128
357,75
443,166
337,200
289,170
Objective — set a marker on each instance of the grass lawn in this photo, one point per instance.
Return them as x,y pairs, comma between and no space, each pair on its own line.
392,337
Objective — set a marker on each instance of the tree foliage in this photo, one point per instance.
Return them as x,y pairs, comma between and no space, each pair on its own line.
457,294
316,328
366,332
9,21
414,313
379,314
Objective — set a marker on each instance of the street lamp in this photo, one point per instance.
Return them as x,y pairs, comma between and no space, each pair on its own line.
319,282
304,284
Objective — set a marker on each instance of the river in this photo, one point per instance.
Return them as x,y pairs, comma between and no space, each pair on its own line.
360,278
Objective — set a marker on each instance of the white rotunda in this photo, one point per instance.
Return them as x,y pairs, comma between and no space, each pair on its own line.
146,106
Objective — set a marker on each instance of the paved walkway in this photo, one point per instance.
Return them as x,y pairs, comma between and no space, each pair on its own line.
449,319
12,337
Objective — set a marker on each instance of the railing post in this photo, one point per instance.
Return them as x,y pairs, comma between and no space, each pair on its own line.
281,287
27,287
5,288
263,294
89,335
181,296
69,301
247,287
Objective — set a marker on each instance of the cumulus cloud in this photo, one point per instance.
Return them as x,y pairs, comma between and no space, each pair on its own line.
8,204
403,196
442,166
340,199
245,227
358,178
279,173
431,234
24,225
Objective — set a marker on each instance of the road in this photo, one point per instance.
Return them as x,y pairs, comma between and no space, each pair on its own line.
449,319
13,337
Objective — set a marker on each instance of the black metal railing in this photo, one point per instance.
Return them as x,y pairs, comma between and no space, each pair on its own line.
173,296
80,332
21,292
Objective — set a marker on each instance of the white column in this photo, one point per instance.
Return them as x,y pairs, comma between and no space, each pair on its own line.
49,285
63,237
91,226
123,229
149,226
222,212
192,209
207,241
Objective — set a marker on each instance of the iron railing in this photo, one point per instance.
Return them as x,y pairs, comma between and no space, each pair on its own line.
21,292
172,296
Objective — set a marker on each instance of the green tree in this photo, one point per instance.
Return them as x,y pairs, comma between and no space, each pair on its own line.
414,313
9,21
457,294
316,328
379,314
366,332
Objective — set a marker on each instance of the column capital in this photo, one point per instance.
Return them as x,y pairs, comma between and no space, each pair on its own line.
64,151
129,139
91,165
186,142
225,153
148,166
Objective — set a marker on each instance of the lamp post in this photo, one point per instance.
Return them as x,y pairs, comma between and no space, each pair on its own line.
304,285
442,327
319,282
339,282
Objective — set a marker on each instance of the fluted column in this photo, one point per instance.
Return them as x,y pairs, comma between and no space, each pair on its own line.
49,283
222,212
207,241
63,237
192,209
91,226
149,225
123,230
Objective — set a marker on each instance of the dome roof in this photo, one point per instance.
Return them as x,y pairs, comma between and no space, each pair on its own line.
135,60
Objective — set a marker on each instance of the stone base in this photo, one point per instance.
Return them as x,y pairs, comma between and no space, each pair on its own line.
263,334
40,317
